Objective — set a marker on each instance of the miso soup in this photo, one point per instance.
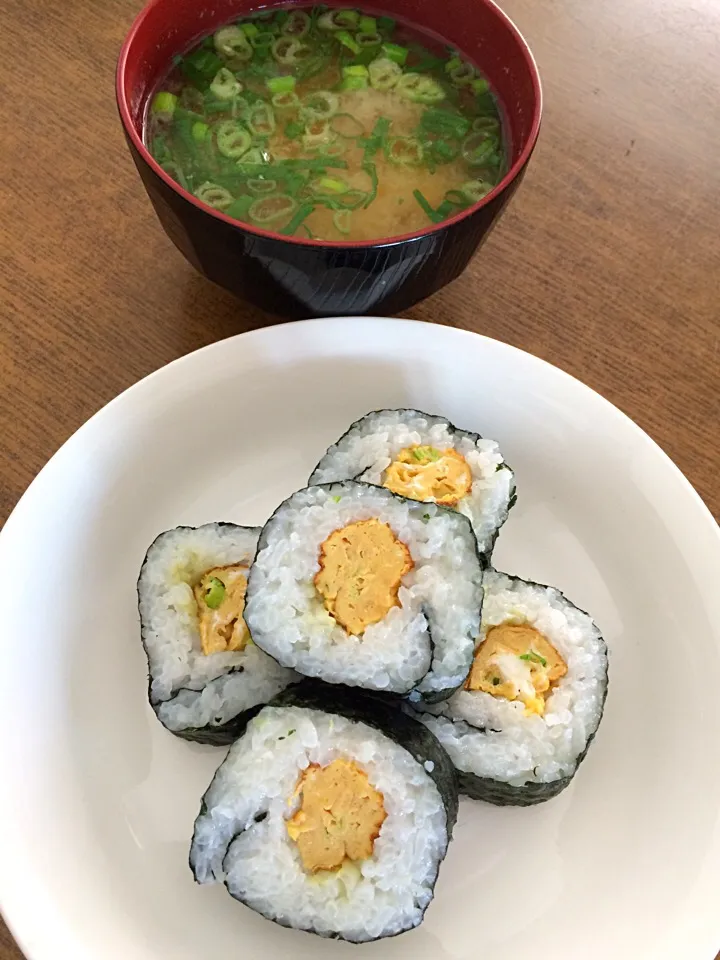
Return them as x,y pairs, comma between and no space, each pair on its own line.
329,124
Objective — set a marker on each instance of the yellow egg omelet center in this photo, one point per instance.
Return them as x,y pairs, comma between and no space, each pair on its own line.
361,568
220,598
517,662
339,818
426,473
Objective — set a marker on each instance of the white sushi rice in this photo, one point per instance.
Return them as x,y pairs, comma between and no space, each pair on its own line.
380,896
515,748
373,443
188,688
427,642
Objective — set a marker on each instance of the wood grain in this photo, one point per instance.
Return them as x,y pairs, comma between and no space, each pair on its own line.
607,263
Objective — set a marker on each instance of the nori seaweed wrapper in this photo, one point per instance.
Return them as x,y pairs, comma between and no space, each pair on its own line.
379,713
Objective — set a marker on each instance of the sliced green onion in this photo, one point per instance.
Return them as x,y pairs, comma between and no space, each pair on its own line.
367,24
334,148
341,220
355,70
405,151
460,72
272,208
285,101
386,24
354,83
200,131
457,198
426,453
302,213
316,133
214,593
534,658
429,210
231,42
478,148
225,85
393,51
429,64
238,208
445,151
253,158
174,170
446,208
261,119
293,130
475,190
239,108
297,24
332,185
444,123
200,67
232,139
182,128
163,106
281,84
289,52
262,41
320,105
410,84
159,148
338,20
219,106
486,125
249,29
479,86
214,195
352,199
371,170
421,89
346,125
347,40
192,99
384,73
260,187
368,40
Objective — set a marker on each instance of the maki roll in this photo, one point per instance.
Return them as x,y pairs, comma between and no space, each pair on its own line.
352,584
426,458
331,814
206,674
533,700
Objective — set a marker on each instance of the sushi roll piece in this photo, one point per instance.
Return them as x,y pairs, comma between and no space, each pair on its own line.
352,584
207,677
426,458
331,814
520,727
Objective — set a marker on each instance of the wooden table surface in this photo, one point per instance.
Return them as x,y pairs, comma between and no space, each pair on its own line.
607,263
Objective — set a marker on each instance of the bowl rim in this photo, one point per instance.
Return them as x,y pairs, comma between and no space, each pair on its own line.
511,175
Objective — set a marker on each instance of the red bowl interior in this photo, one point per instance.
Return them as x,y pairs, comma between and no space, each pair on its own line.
477,28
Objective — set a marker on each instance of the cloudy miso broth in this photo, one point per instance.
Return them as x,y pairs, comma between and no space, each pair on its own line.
328,124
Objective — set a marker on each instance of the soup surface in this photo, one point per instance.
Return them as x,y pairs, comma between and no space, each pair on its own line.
329,124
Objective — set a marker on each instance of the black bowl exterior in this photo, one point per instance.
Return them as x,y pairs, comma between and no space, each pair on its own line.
298,281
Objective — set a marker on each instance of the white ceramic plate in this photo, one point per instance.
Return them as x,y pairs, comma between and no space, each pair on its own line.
98,801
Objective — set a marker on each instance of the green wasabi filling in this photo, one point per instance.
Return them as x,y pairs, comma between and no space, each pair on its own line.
214,593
